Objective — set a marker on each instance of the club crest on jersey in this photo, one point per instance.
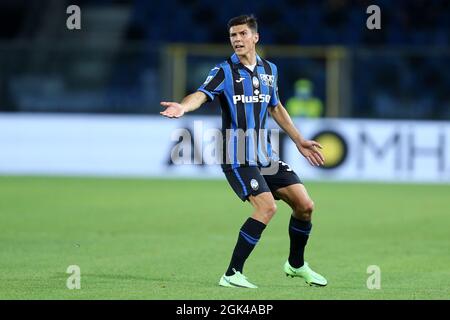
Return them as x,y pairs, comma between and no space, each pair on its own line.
267,79
255,82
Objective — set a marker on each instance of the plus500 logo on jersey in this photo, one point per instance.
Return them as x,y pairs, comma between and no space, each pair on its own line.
251,99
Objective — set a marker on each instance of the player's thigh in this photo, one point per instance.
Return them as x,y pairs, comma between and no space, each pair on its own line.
283,177
287,186
297,197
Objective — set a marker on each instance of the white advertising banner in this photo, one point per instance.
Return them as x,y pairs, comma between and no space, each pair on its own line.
397,151
93,145
99,145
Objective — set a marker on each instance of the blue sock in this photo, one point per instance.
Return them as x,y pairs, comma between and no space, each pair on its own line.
298,233
248,237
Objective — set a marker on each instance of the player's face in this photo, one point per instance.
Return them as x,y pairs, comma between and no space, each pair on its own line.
243,39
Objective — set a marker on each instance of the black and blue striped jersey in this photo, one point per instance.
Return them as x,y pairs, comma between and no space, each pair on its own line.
245,97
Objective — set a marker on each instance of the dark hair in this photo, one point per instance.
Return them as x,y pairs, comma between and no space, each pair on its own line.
249,20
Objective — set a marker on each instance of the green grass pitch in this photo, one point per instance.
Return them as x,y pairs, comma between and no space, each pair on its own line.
172,239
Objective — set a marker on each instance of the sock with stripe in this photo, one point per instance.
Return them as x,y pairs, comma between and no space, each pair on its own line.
249,235
298,233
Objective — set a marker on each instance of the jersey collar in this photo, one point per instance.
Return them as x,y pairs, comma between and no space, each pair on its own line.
236,62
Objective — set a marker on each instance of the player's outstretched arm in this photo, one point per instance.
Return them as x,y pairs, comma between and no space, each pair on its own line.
189,103
308,148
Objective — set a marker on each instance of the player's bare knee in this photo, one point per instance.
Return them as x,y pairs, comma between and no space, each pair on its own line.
272,209
265,213
269,210
304,211
309,207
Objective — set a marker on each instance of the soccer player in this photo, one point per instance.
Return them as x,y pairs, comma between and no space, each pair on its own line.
246,86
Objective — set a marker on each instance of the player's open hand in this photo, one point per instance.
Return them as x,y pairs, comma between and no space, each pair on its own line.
173,109
310,150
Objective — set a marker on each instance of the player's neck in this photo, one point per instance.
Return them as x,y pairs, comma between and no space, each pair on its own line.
248,59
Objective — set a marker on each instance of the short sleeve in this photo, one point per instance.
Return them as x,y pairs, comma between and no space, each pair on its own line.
274,97
214,83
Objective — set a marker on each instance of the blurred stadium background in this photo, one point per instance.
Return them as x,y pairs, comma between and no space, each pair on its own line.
85,103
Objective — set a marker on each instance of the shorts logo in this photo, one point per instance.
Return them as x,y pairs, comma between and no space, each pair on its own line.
254,184
267,79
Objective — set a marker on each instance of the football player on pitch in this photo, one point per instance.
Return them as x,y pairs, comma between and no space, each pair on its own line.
246,86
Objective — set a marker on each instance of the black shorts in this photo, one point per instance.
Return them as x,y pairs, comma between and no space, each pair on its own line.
247,181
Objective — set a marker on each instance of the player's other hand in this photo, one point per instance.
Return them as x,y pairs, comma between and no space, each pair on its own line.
310,150
173,109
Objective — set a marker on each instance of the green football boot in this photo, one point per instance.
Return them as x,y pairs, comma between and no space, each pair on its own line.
237,280
312,278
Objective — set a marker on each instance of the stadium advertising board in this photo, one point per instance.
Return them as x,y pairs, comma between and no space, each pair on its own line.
356,150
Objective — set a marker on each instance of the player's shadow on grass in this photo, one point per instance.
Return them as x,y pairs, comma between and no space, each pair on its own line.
123,277
112,277
128,277
143,278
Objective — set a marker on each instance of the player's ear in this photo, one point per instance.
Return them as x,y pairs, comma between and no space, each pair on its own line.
256,37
